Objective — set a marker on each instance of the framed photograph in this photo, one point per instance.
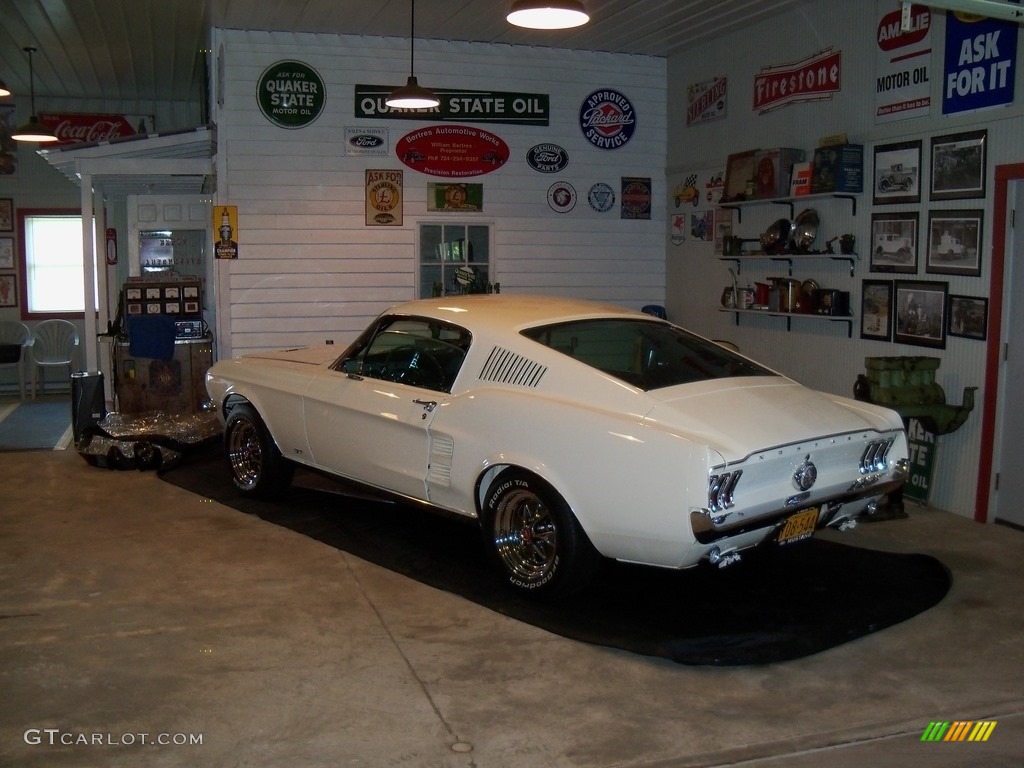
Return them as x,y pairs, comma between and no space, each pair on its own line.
8,290
954,242
897,177
6,253
6,214
894,242
920,313
958,166
968,317
876,310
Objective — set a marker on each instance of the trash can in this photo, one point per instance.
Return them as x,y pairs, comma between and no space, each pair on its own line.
88,407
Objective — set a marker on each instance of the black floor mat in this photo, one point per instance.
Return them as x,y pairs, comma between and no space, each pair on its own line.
775,605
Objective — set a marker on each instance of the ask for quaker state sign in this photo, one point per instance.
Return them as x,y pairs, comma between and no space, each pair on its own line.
291,94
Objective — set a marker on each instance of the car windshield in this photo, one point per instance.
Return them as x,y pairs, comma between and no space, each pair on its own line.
645,353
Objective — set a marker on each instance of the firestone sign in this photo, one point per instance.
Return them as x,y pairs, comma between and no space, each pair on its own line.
815,78
291,94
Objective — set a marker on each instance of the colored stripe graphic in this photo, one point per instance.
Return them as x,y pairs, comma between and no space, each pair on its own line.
959,730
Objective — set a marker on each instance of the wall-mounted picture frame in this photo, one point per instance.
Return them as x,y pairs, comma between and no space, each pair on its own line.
958,166
876,310
894,242
6,214
897,176
8,290
968,317
954,242
920,310
6,253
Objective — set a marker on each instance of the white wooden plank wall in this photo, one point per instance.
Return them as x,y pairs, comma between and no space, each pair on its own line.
309,269
819,354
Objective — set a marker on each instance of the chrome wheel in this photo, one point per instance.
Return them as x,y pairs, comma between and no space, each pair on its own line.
245,453
256,465
526,537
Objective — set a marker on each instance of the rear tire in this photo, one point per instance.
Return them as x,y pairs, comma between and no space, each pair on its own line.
534,538
257,467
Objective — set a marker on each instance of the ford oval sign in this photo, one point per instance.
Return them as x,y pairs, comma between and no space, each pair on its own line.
452,151
365,141
547,158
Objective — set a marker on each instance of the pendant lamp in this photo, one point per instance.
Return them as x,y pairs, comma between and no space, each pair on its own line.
33,130
412,95
548,14
4,90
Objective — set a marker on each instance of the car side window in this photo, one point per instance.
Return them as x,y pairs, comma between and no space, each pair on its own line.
415,351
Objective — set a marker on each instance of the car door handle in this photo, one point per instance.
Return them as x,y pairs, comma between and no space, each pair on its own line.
428,405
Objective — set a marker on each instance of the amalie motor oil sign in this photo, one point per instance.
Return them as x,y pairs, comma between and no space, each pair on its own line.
452,151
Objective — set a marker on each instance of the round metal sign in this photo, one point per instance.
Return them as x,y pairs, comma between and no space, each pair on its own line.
607,119
291,94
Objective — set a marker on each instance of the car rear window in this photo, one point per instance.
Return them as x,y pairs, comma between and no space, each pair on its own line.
648,354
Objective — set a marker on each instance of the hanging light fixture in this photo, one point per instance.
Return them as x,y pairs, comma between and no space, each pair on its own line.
412,95
4,90
548,14
33,130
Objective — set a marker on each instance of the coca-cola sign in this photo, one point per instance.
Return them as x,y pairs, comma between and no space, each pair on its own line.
607,119
93,128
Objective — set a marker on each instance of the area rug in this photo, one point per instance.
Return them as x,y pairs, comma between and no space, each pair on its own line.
40,426
772,607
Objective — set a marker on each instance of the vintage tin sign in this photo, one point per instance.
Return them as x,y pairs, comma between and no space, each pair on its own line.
291,94
562,197
607,119
452,151
81,128
601,197
706,100
547,158
815,78
636,197
362,142
384,198
458,106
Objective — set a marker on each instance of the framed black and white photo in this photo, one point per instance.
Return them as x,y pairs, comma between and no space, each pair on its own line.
8,290
958,166
968,317
876,310
894,242
954,242
6,214
6,253
897,177
920,313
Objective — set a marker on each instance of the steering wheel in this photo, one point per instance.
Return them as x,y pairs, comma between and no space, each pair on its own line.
416,367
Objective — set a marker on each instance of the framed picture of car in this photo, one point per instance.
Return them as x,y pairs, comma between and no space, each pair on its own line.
958,166
897,176
968,317
954,242
894,242
876,310
921,313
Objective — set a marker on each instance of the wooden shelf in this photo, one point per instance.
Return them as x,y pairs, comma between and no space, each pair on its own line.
789,258
848,319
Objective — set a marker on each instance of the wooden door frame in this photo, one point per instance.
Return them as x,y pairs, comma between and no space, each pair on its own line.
1004,174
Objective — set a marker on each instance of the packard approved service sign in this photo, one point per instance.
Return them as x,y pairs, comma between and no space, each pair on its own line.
291,94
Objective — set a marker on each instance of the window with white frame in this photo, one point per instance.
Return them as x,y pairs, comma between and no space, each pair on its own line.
455,259
52,263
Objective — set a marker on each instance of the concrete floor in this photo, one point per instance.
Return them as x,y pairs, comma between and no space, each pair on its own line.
134,611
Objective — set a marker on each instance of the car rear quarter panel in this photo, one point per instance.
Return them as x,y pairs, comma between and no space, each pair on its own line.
629,484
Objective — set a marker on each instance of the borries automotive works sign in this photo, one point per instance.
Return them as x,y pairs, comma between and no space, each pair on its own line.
452,151
815,78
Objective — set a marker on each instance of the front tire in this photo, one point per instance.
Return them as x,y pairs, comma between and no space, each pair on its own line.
257,467
534,538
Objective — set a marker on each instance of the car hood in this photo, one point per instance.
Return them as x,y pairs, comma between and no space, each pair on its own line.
743,415
318,355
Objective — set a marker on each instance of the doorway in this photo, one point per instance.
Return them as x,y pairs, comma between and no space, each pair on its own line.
1000,477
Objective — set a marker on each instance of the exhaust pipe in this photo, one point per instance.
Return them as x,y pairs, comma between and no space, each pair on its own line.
723,559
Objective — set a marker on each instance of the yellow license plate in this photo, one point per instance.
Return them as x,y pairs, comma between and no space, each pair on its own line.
799,526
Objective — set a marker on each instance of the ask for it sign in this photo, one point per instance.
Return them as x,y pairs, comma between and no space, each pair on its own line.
980,60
